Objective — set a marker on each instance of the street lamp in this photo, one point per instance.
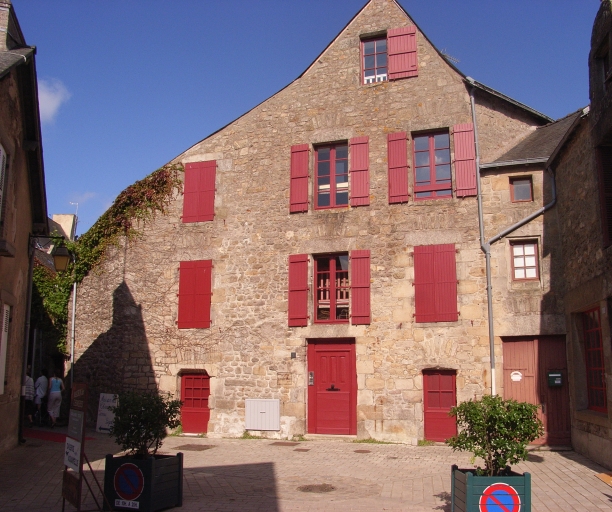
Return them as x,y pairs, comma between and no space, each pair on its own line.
61,258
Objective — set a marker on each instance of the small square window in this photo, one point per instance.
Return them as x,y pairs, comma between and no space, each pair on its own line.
521,190
525,261
374,60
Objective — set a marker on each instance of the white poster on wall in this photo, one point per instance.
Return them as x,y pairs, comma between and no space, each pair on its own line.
105,415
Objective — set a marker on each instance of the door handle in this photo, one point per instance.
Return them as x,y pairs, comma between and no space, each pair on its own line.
333,388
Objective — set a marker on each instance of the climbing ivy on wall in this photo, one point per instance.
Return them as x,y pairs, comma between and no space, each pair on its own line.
132,208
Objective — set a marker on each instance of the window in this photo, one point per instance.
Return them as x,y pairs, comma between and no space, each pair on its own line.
374,60
595,371
195,292
524,261
432,166
332,288
332,177
199,191
435,282
2,181
6,317
521,189
341,288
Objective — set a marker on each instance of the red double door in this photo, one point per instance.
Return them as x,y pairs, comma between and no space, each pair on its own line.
332,387
195,390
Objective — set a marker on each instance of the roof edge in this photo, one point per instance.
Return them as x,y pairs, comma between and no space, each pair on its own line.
568,133
508,163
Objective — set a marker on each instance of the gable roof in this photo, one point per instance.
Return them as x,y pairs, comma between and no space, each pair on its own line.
539,145
542,118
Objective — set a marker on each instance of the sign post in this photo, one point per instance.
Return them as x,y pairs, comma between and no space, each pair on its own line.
72,484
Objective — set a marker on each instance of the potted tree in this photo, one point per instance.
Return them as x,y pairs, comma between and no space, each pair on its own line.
141,479
497,431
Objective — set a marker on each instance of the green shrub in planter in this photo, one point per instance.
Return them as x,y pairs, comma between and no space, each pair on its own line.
142,479
498,431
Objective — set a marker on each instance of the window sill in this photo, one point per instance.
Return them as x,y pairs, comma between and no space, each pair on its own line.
595,417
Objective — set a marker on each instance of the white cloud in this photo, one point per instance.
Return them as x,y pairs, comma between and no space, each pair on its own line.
84,197
52,94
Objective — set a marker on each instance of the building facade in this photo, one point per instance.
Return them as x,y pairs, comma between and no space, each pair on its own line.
23,209
323,272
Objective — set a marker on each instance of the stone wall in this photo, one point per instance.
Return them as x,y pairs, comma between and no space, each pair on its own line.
247,351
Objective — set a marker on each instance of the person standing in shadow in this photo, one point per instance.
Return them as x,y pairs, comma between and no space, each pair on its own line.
56,386
41,387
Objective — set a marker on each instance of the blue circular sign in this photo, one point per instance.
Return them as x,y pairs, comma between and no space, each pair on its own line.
500,498
129,482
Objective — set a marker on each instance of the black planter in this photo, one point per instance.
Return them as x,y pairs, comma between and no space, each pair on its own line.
468,490
143,484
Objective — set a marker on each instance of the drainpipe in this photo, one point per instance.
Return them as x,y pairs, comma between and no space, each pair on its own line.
486,246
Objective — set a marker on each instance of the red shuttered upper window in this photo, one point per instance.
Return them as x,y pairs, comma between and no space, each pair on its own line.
435,280
332,289
465,159
199,191
331,176
299,178
391,57
432,166
595,359
397,158
195,292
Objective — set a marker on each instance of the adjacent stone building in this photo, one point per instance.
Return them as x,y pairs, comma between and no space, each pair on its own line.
23,208
325,269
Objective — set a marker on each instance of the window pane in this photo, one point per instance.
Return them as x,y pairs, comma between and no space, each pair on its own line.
518,250
423,194
421,143
341,198
441,140
368,61
341,167
323,169
381,45
342,312
368,47
381,60
342,151
519,262
531,273
529,249
443,172
323,153
369,72
442,156
443,193
323,183
342,262
519,273
530,261
322,265
522,190
323,199
422,159
422,175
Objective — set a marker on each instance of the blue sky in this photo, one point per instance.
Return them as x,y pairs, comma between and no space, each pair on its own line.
126,86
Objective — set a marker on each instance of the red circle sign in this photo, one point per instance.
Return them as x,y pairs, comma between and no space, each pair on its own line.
500,498
129,482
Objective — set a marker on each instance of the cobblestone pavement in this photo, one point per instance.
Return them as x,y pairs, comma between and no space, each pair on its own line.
259,475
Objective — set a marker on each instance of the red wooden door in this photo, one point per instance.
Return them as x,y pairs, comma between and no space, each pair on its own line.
440,396
195,390
527,362
332,388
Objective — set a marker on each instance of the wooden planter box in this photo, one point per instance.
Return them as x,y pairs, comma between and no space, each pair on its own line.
142,484
469,492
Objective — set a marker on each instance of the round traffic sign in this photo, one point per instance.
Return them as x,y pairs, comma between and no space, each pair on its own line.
500,498
129,482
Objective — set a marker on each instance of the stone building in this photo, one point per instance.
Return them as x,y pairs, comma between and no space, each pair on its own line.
583,166
23,208
325,269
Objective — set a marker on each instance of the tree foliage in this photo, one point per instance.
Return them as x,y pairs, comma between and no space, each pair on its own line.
142,419
496,430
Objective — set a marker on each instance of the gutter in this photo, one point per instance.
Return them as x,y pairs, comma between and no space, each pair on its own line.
486,246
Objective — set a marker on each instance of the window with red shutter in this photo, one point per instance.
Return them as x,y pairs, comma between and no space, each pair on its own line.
332,288
298,290
435,280
195,291
595,361
360,287
465,159
331,177
299,178
402,47
199,191
397,158
432,165
374,60
360,171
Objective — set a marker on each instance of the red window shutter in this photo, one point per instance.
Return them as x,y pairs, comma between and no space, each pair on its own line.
435,280
360,287
397,158
360,171
402,48
199,191
298,290
299,178
465,159
195,291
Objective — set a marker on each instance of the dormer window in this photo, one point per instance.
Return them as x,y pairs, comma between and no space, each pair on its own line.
374,53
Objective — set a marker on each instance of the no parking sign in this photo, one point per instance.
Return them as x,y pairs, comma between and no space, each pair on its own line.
500,498
129,484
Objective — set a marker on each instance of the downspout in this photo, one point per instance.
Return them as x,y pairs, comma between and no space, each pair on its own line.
486,247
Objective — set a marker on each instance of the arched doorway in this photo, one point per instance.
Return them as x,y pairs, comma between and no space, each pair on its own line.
195,390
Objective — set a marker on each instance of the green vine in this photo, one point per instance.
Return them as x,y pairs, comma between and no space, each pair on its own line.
137,204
